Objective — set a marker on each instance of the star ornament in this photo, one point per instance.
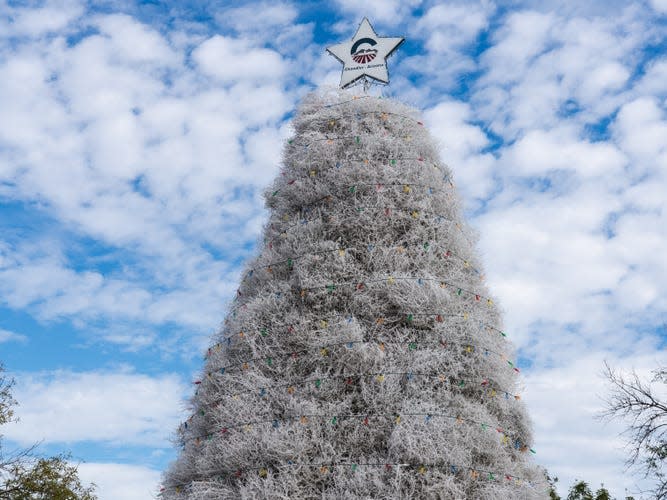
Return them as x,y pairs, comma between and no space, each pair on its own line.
365,55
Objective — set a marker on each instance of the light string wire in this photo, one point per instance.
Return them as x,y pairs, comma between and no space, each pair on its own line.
348,189
382,162
379,186
412,345
419,467
312,172
492,389
326,217
390,160
330,140
380,320
439,317
341,103
388,211
400,248
302,221
390,280
358,114
289,261
365,418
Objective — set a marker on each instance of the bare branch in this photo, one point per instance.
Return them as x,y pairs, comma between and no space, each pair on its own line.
633,400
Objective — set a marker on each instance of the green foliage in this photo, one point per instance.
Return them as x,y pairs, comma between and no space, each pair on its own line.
47,479
553,495
580,491
6,399
602,494
23,477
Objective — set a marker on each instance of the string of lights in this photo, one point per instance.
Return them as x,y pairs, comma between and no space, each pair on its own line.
392,280
331,140
399,317
387,211
341,103
361,285
382,162
349,189
468,346
383,115
407,186
421,468
424,248
365,419
486,386
320,217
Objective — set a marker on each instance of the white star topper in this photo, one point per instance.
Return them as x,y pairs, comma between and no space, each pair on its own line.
365,55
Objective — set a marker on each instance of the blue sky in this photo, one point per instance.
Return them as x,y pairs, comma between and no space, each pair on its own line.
136,140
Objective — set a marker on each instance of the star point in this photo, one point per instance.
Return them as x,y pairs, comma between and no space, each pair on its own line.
365,55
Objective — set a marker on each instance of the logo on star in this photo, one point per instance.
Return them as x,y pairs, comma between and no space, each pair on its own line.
357,54
363,51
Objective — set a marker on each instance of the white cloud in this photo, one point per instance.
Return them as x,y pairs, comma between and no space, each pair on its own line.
8,336
539,152
652,83
134,148
565,403
65,291
576,9
134,42
461,144
275,25
115,481
132,339
389,12
659,5
641,128
52,290
449,33
544,68
518,41
577,251
449,26
233,60
605,77
259,148
51,17
261,20
117,408
546,256
567,235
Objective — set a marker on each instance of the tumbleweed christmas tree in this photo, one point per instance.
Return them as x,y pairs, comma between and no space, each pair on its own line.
363,356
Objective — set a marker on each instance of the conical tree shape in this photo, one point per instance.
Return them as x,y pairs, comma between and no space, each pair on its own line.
363,356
